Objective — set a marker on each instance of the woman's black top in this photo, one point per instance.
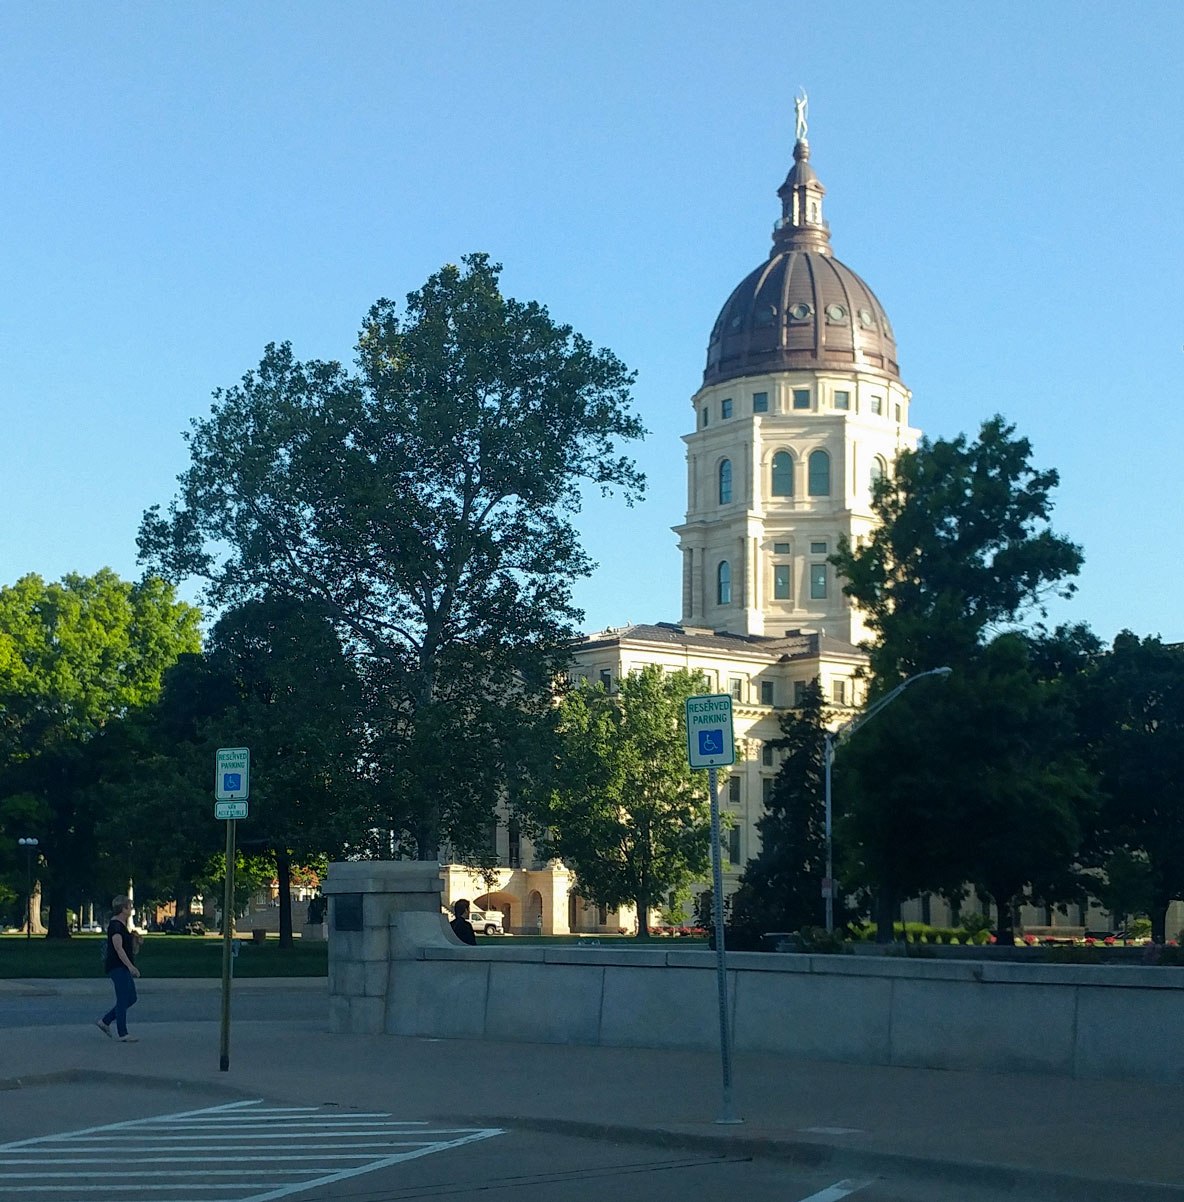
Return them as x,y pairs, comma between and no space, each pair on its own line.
117,927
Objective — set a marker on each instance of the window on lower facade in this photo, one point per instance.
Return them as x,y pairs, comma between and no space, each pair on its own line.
760,402
817,582
766,692
734,846
734,790
606,679
842,400
736,687
766,790
767,754
725,482
799,692
725,407
704,417
801,398
838,692
782,582
877,405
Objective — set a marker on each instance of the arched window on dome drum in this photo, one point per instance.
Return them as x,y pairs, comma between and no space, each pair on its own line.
782,482
725,482
723,583
878,471
818,474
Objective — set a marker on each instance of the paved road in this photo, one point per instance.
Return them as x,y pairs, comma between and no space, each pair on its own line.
157,1004
168,1146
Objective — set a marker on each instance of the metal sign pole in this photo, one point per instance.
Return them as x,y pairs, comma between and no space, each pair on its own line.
717,879
227,937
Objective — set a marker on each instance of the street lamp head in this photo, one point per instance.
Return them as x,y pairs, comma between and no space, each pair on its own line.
27,842
941,671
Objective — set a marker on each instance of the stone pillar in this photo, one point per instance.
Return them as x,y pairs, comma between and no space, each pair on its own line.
364,899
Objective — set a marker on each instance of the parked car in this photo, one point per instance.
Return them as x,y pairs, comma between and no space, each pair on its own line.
488,922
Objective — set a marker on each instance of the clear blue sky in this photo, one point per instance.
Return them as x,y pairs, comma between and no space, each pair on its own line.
182,183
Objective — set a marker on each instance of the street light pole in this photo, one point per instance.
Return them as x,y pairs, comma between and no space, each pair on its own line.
831,740
30,846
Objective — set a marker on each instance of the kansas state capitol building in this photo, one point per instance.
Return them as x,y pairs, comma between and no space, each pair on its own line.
801,408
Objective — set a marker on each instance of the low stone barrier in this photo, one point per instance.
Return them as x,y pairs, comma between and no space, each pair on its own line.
403,972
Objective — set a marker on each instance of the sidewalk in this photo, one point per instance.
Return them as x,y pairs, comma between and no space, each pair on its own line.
1051,1137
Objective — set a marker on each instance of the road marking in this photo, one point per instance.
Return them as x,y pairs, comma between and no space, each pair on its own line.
833,1193
830,1130
237,1152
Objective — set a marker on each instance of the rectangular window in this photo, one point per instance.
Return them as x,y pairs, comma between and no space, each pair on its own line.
799,692
838,692
725,407
767,754
736,687
734,790
781,582
817,581
704,417
734,846
760,402
877,404
801,398
766,692
842,400
898,413
818,548
766,791
606,679
781,548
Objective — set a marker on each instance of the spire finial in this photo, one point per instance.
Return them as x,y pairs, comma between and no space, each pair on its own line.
801,103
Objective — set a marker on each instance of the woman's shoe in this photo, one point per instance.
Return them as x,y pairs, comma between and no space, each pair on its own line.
103,1027
129,1039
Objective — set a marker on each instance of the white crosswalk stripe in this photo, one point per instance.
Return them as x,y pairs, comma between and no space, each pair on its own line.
239,1152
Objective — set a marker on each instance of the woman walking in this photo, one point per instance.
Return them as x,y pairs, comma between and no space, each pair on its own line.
121,967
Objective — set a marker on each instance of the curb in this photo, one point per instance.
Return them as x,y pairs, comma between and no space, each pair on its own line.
1046,1185
89,1076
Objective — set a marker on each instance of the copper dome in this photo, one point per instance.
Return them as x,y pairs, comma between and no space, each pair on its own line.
801,308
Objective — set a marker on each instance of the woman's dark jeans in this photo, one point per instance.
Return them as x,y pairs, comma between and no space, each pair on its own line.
125,999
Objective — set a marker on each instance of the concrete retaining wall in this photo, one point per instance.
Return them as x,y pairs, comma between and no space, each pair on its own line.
1079,1020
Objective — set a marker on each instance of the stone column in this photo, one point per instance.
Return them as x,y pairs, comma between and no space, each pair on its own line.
365,899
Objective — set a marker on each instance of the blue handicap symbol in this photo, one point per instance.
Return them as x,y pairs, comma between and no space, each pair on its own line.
711,742
232,782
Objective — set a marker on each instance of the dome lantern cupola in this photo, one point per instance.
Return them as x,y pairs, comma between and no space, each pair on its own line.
802,307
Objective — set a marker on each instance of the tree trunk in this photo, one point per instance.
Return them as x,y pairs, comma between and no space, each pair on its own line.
1159,919
283,872
643,917
59,925
1005,934
33,907
885,913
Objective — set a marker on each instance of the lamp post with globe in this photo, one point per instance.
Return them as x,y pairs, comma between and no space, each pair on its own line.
30,846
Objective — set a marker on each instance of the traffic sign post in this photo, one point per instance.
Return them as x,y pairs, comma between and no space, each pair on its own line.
232,787
711,745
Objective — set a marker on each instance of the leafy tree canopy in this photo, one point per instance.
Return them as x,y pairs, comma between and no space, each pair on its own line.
625,813
423,501
962,546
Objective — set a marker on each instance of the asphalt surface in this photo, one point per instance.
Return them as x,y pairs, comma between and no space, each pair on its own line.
571,1122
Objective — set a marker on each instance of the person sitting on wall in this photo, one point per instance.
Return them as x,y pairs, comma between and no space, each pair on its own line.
462,928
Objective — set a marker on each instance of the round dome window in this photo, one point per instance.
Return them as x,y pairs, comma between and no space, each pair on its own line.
801,311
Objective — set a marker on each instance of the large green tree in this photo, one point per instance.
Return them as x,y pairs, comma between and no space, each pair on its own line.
1133,718
963,549
780,888
424,502
625,813
76,656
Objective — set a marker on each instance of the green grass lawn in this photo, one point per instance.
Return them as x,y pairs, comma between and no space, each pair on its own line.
161,956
